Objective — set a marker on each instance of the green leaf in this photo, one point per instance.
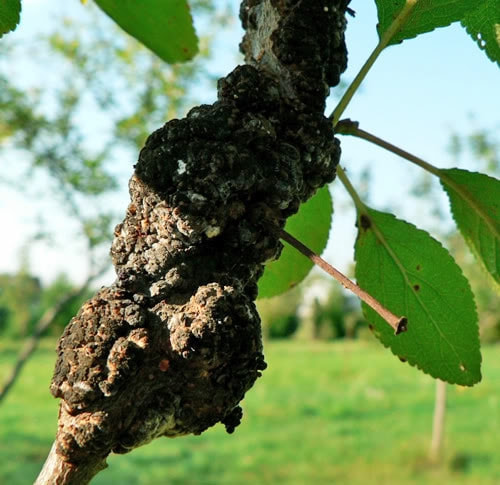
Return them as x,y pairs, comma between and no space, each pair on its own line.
412,275
164,26
311,226
10,13
425,17
483,25
475,204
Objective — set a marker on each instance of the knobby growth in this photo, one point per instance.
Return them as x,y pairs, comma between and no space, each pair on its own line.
171,347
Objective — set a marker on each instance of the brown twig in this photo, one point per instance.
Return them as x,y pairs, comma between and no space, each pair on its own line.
399,324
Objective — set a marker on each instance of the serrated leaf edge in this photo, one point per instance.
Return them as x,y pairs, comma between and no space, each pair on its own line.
465,194
147,43
462,191
473,36
476,323
18,21
479,259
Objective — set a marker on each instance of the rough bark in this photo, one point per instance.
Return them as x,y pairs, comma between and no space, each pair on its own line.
173,345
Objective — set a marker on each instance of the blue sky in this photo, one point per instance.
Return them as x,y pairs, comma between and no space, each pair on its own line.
416,94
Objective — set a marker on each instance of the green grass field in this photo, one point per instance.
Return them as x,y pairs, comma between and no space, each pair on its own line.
322,413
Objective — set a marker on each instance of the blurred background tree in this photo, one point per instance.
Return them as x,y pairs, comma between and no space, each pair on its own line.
19,299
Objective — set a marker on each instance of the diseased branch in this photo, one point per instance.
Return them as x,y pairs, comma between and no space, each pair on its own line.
46,320
399,324
173,345
56,470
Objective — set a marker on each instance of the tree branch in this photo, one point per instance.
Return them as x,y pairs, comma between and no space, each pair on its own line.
56,470
173,345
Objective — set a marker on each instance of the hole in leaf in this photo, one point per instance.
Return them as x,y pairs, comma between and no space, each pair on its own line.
462,367
402,326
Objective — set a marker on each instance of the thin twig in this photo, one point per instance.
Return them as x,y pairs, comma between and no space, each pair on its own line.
399,324
349,127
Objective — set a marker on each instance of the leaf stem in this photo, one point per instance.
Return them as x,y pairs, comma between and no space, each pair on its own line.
393,29
360,206
399,324
349,127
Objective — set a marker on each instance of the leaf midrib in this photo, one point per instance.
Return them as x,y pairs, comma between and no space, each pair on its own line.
402,269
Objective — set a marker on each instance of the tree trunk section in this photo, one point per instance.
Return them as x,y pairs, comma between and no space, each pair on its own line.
57,470
174,344
438,424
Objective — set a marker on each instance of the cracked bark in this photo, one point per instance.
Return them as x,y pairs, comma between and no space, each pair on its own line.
173,345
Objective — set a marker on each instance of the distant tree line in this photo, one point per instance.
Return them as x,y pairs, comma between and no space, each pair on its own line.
317,309
24,299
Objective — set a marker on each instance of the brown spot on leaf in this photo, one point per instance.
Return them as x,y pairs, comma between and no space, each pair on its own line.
370,326
365,222
416,287
402,359
419,267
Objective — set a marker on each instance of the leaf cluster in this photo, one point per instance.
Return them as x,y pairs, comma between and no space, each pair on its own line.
405,268
481,20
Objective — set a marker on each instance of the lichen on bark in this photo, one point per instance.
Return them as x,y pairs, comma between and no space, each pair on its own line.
173,345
